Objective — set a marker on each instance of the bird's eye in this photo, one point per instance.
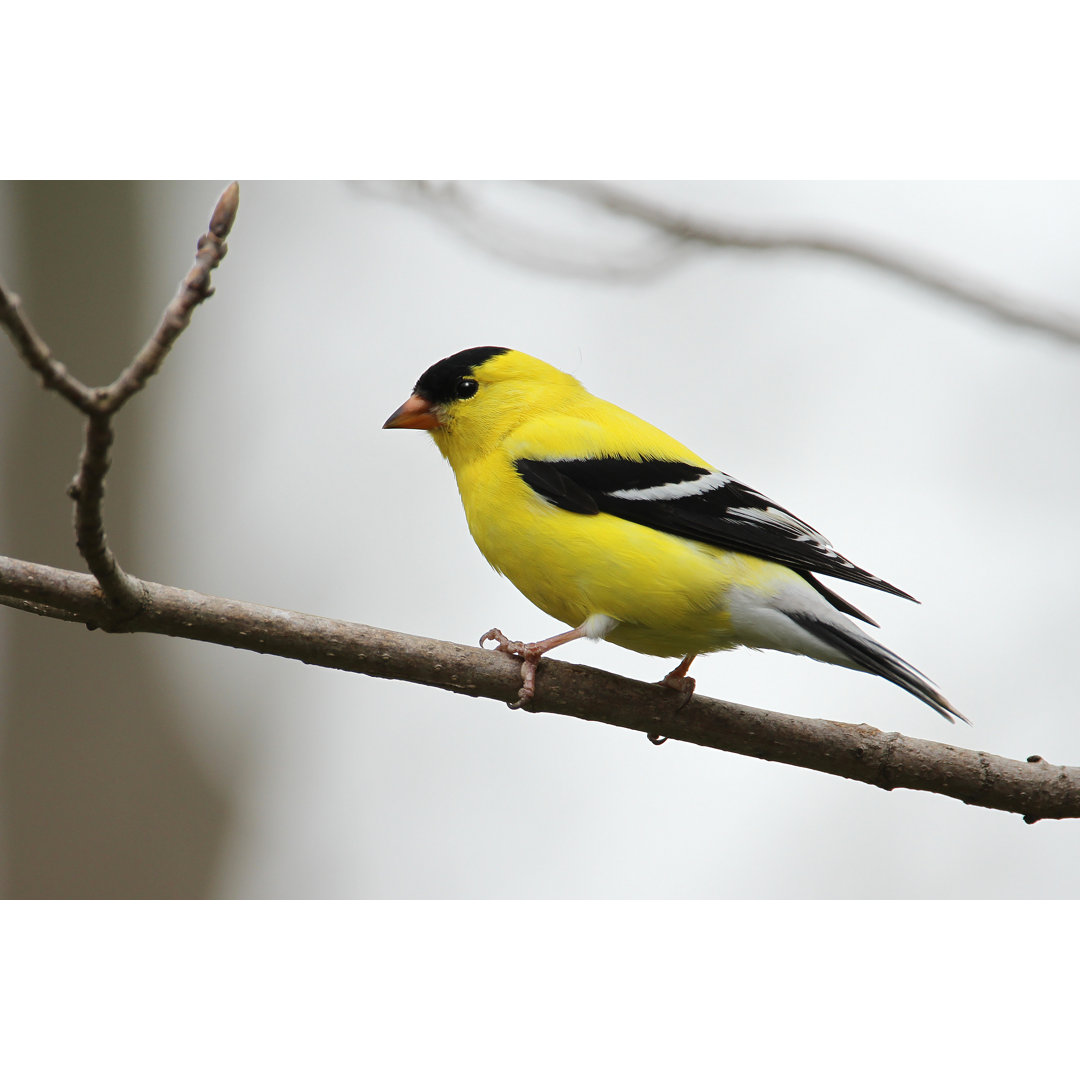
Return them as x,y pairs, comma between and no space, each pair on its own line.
466,388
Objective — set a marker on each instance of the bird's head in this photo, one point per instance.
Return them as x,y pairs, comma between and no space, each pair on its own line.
472,400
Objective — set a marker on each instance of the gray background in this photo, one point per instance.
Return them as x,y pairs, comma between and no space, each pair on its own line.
933,446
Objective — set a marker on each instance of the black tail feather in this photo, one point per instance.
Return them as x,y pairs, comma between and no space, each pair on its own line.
837,600
872,656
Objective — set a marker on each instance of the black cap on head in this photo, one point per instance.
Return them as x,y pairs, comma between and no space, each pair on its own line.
438,383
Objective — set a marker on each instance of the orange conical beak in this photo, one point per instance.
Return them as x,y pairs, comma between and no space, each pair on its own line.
417,412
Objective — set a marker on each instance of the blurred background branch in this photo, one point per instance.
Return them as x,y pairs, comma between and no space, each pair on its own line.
671,236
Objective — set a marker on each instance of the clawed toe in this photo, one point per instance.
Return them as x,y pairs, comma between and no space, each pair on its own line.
529,657
528,681
504,644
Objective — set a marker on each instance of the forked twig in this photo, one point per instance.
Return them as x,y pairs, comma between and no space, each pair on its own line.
124,593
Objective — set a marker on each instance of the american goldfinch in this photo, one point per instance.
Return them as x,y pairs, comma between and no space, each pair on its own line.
612,527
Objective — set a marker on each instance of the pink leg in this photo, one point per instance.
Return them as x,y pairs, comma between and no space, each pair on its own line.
529,656
677,679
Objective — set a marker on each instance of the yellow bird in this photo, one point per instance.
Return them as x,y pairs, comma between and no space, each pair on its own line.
614,528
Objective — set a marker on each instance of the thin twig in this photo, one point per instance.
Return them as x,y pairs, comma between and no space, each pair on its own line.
28,344
45,610
194,289
916,271
88,490
1032,788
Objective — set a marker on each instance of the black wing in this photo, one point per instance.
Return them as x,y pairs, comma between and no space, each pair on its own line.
694,502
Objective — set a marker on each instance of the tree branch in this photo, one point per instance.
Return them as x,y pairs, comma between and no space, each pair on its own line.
1033,788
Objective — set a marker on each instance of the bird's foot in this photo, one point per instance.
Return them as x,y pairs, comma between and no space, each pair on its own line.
677,679
529,655
682,684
